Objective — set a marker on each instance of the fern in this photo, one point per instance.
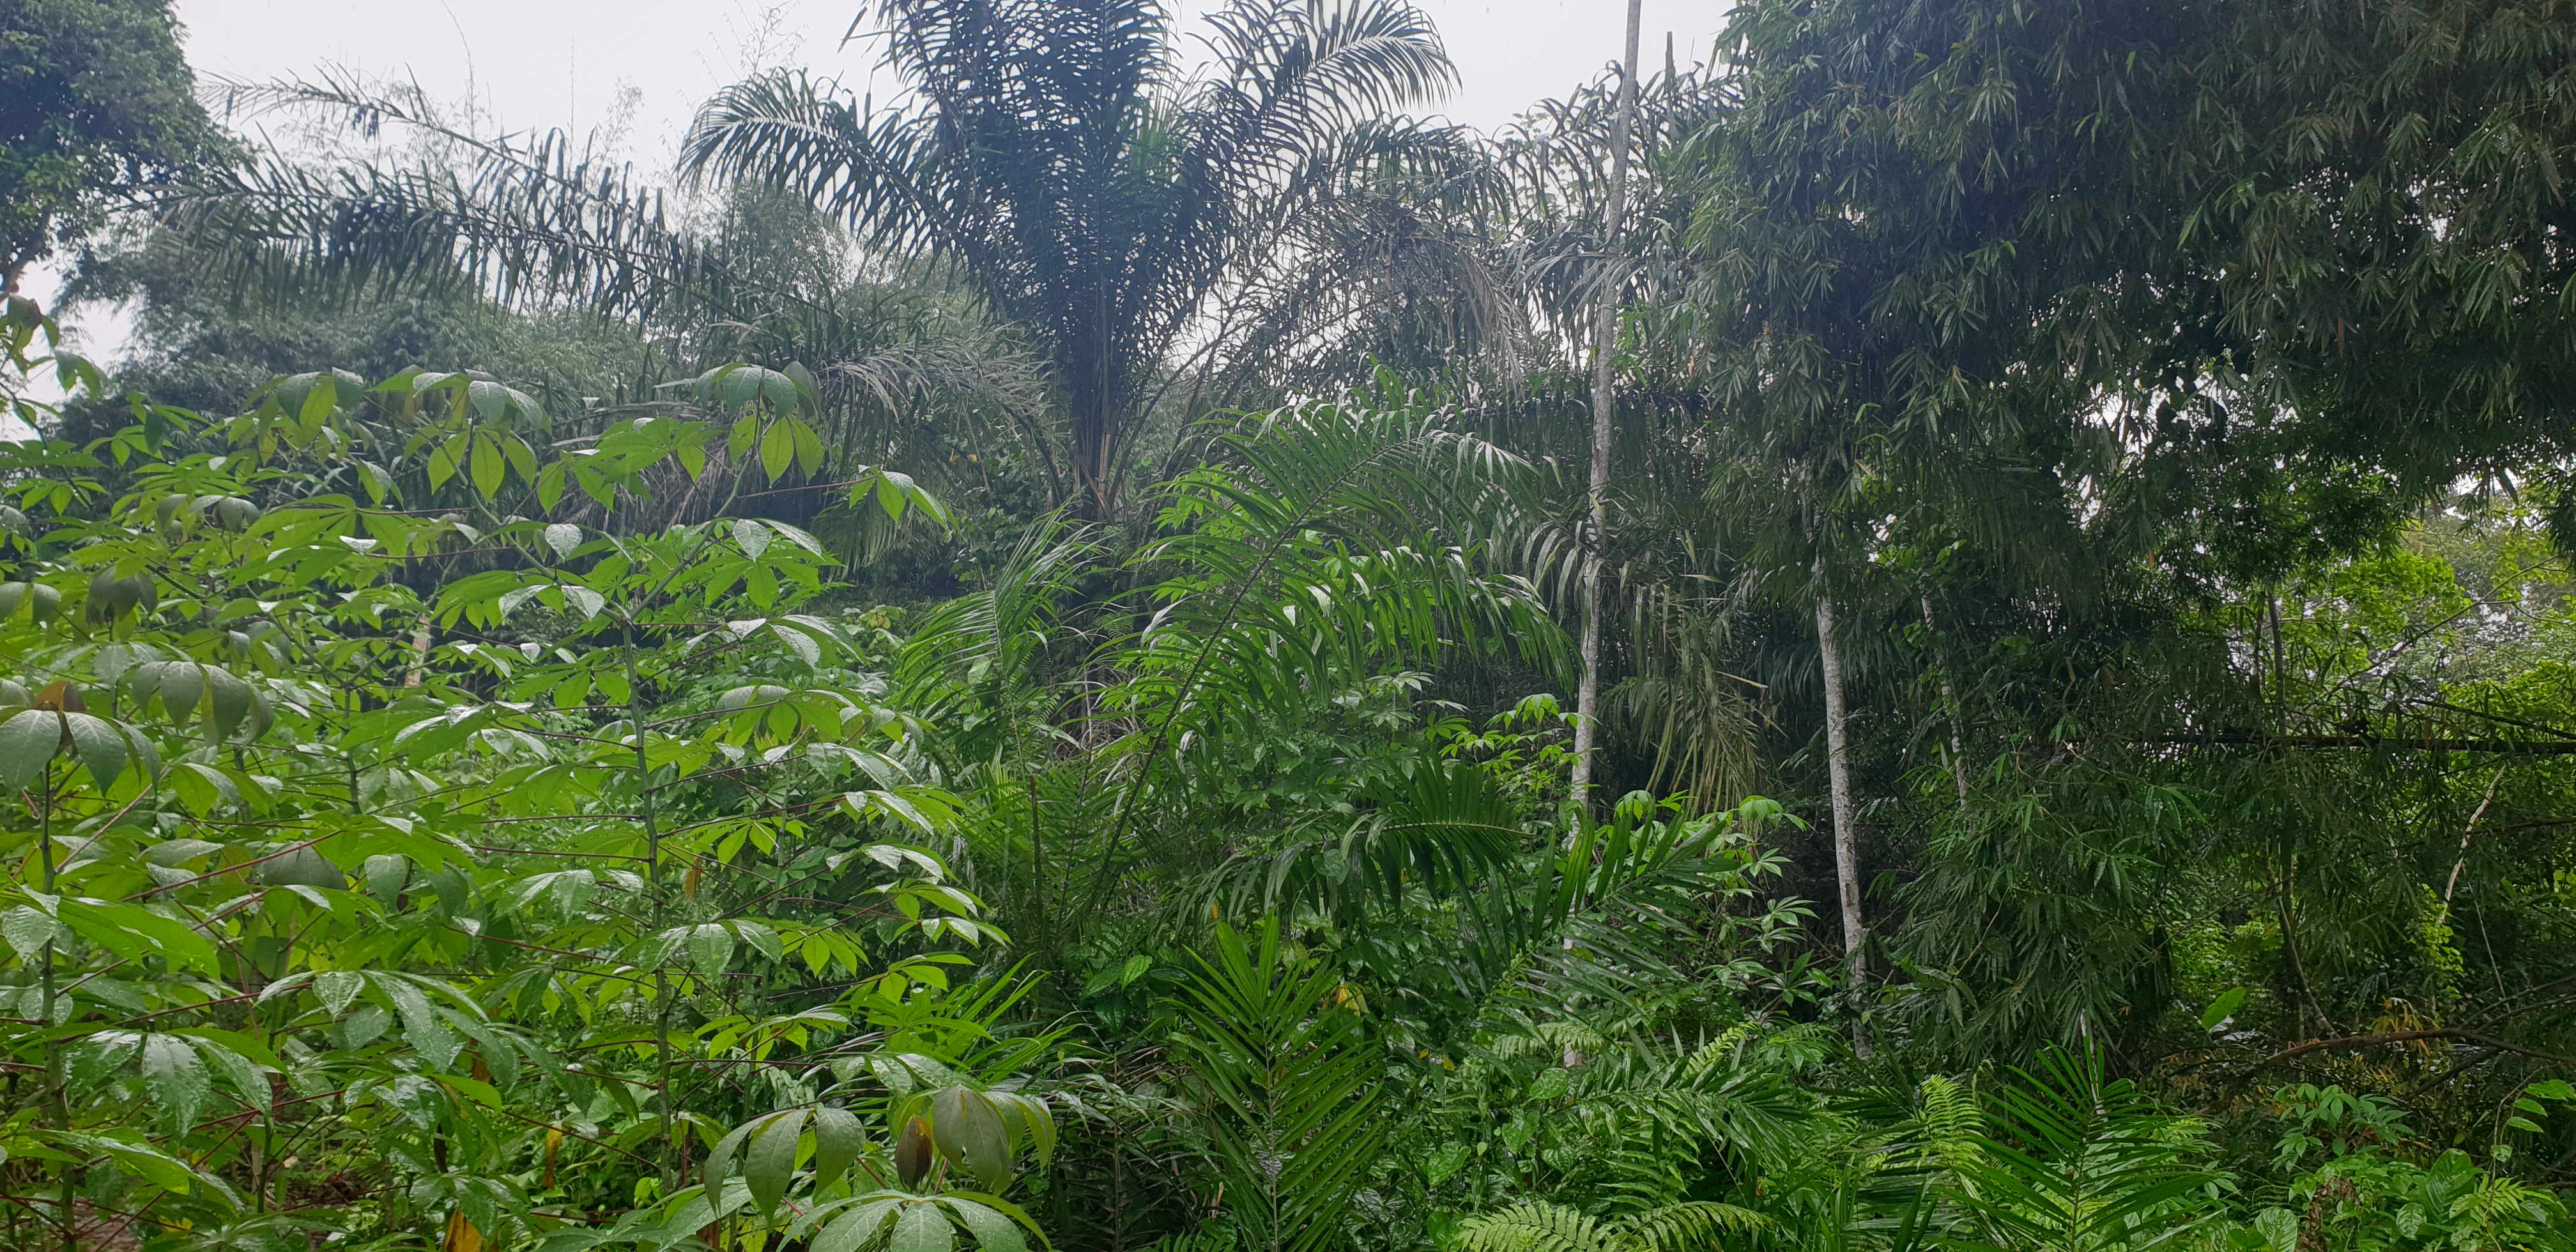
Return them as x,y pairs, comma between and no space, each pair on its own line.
1540,1226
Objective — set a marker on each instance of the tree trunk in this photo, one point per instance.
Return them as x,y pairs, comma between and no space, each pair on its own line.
1605,339
1846,829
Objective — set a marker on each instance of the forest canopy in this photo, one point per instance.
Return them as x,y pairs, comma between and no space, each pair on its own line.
1945,624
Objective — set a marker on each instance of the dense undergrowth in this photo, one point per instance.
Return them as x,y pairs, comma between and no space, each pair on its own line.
1059,659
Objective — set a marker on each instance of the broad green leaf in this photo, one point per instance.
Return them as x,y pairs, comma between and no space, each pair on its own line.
992,1230
922,1228
228,701
969,1131
839,1138
777,449
176,1077
386,873
711,948
769,1163
131,931
800,643
522,457
318,403
365,1026
101,747
487,466
761,938
859,1228
338,989
720,1158
142,1160
180,686
28,931
2222,1008
422,1028
809,447
28,740
491,400
246,1076
201,787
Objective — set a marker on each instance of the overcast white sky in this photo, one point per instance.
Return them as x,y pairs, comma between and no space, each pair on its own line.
539,64
543,63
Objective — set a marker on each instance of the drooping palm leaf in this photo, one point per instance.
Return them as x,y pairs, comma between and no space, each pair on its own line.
1333,542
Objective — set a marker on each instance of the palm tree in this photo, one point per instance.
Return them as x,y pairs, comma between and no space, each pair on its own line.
1121,213
430,210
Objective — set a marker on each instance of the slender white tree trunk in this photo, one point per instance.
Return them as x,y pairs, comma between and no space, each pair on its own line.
1605,340
1846,828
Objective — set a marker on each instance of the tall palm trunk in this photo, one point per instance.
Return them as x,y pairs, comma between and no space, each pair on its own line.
1838,775
1091,404
1605,338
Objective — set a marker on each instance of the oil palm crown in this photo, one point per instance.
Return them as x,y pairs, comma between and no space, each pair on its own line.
1118,209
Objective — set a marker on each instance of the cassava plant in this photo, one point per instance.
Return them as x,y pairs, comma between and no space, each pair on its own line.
387,863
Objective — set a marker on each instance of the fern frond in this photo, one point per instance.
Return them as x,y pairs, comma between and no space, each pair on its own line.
1536,1226
1950,1124
1689,1227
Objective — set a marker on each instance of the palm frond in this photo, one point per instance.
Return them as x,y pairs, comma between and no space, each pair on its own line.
2078,1160
1438,831
1333,542
1292,1085
536,218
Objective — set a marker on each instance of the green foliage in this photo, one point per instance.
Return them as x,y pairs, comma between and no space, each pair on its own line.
1288,1078
1540,1227
2078,1161
471,807
1206,186
103,106
309,893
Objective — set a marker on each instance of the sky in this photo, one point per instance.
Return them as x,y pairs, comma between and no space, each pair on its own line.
642,66
547,63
